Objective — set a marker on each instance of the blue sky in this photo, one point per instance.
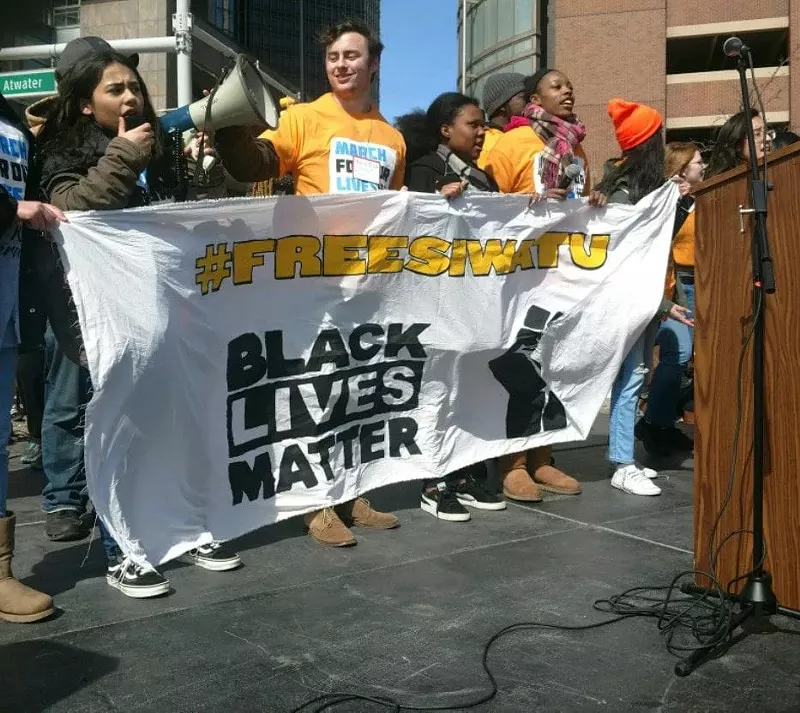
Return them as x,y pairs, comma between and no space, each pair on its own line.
421,56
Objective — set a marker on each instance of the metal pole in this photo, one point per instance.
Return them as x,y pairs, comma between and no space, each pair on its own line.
182,27
208,39
463,46
137,44
302,52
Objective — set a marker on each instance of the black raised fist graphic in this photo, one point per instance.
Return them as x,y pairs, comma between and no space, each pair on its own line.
532,407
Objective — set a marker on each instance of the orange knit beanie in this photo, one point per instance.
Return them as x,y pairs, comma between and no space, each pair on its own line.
633,123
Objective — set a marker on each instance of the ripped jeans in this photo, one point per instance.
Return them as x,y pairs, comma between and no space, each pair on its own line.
625,398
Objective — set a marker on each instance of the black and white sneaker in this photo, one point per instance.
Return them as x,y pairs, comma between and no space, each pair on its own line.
134,580
217,557
443,504
470,492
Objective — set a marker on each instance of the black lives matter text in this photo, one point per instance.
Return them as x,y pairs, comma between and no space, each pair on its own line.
347,395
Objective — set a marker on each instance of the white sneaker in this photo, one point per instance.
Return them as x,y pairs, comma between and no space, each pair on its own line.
648,472
631,479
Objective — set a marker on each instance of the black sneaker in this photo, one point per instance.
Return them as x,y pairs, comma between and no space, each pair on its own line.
136,581
443,503
217,557
470,492
64,526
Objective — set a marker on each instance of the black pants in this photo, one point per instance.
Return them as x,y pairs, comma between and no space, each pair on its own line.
477,471
30,386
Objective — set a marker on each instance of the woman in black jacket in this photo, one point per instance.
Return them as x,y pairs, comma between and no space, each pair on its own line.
101,149
443,145
18,603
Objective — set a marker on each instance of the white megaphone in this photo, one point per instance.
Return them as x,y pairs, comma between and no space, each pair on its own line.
243,99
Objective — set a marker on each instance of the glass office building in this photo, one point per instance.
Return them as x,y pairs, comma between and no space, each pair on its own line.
282,33
501,36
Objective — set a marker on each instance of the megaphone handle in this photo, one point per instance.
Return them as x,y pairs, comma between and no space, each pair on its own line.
208,162
202,165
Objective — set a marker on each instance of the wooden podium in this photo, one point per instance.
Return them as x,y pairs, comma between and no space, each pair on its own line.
724,314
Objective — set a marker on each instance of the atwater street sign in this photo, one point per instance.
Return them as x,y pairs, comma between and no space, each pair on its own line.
28,83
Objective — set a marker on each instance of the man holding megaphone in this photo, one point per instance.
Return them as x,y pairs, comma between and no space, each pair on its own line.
339,143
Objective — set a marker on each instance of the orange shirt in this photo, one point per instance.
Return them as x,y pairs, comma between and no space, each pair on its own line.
328,150
490,138
515,162
683,243
682,255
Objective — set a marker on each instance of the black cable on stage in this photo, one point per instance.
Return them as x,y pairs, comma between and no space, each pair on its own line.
687,621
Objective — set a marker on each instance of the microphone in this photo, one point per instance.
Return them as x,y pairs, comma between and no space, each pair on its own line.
571,173
734,47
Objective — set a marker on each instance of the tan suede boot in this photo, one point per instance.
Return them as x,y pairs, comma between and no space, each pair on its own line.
517,482
18,603
327,529
360,513
547,476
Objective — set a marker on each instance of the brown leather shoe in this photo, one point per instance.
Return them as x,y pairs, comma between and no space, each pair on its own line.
360,513
517,482
547,476
327,529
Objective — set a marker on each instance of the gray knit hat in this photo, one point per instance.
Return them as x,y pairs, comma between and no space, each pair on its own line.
499,88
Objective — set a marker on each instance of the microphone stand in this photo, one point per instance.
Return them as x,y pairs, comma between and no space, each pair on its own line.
756,599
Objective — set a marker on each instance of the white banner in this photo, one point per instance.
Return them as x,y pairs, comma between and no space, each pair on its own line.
257,359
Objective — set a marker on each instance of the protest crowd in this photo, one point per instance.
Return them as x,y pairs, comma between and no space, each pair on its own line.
97,145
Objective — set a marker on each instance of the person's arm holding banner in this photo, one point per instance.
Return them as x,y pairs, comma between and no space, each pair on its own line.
32,214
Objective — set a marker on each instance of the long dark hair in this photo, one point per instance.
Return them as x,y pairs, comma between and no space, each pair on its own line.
422,131
727,153
642,167
66,125
783,139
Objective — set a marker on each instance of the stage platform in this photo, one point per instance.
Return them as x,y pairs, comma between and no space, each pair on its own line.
404,614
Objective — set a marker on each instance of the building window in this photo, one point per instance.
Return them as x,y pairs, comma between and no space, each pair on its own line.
66,13
223,15
704,53
523,16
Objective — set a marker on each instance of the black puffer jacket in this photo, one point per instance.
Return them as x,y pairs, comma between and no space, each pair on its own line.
430,172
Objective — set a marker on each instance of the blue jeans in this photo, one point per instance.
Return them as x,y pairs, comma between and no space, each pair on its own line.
67,391
8,375
624,401
675,342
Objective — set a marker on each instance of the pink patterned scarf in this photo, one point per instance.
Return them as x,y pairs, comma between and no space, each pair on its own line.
561,138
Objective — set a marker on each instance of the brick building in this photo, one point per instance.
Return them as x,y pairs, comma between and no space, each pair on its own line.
668,53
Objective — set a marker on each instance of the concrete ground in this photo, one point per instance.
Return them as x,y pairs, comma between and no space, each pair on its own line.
404,614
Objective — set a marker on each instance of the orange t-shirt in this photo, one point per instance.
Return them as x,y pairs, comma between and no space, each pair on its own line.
515,162
682,252
683,242
490,138
328,150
